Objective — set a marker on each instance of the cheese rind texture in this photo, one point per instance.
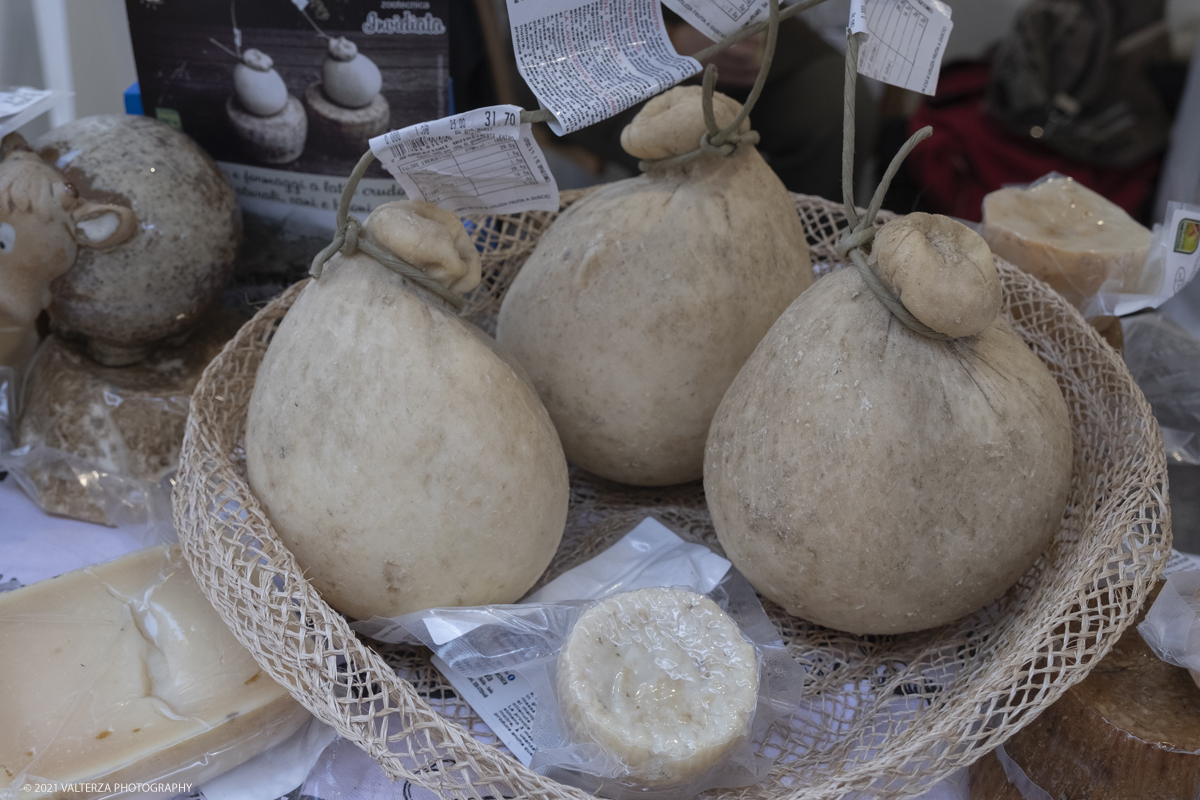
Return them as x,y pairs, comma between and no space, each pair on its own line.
124,673
662,679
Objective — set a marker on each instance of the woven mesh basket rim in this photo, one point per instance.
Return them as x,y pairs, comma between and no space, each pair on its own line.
999,667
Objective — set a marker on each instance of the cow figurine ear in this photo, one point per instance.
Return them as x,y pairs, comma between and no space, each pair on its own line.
102,226
11,144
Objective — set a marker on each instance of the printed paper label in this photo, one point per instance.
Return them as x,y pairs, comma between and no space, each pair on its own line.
906,43
481,161
1183,260
587,60
504,701
1181,562
858,17
717,19
1171,263
19,99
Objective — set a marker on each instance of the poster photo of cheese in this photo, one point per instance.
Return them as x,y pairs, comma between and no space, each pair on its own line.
288,84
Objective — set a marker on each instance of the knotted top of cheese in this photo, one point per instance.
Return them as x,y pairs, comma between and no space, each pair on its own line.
672,123
429,238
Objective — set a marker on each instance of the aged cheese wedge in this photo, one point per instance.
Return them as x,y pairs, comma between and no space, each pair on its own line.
1131,729
661,678
123,673
1067,235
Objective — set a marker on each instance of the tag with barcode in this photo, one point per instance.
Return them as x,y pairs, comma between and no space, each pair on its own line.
481,161
587,60
906,42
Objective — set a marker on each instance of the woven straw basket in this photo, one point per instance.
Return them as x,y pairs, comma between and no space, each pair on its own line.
884,715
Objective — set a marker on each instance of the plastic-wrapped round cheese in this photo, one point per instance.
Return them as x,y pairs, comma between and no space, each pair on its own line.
663,680
642,300
402,458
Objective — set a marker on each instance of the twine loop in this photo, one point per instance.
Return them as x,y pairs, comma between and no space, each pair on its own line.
860,233
348,241
350,237
724,142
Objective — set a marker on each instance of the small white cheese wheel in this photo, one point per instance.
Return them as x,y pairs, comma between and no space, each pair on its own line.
661,678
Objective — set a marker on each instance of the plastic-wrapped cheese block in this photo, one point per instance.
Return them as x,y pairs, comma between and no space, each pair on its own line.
1066,235
662,679
123,674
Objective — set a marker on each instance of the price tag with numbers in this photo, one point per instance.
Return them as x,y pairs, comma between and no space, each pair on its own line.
906,41
480,161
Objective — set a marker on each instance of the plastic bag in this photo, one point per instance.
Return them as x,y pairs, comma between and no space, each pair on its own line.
514,650
1172,625
1164,359
130,685
1101,278
126,479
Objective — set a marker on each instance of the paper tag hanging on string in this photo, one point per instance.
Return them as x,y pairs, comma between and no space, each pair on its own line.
906,41
587,60
858,16
482,161
717,19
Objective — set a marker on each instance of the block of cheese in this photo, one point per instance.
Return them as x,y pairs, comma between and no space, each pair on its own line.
1068,236
123,673
662,679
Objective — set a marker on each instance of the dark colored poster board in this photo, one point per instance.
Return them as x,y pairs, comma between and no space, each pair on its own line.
186,52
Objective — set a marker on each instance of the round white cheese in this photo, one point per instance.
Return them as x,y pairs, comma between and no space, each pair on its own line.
661,678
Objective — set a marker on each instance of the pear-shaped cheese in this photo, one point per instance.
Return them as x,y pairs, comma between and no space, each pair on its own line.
874,480
642,301
258,86
1068,236
400,456
350,79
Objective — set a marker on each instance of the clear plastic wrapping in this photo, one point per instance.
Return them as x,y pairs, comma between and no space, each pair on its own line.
1172,625
705,647
1088,249
124,682
85,448
1164,359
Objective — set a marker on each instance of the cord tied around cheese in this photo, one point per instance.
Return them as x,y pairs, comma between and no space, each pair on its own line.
381,423
714,141
934,274
349,239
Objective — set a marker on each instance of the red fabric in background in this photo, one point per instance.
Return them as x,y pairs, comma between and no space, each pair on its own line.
970,154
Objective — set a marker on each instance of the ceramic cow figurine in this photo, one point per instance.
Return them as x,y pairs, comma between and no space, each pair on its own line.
43,223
